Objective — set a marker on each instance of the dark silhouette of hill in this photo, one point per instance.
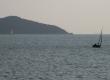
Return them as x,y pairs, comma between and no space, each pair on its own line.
23,26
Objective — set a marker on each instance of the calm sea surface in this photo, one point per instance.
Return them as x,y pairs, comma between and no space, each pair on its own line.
54,57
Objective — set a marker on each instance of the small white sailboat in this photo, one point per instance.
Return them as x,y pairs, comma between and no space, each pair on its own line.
11,32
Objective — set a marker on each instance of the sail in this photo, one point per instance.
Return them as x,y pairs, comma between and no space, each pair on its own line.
100,39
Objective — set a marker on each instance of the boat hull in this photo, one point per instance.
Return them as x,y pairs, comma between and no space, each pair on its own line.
96,46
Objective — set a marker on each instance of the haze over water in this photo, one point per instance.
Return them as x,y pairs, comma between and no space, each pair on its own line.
54,57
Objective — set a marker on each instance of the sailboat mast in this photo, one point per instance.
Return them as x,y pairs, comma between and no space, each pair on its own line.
101,36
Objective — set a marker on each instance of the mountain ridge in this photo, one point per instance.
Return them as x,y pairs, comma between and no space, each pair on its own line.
23,26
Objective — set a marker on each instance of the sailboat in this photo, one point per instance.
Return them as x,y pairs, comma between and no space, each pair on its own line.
99,43
11,32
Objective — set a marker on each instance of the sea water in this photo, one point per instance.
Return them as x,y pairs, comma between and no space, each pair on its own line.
54,57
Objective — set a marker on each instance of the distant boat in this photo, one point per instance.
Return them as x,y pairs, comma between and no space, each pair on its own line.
99,43
11,32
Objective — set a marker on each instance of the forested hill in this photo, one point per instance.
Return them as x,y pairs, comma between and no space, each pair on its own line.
22,26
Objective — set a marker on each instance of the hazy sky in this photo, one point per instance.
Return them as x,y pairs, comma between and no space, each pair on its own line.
76,16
